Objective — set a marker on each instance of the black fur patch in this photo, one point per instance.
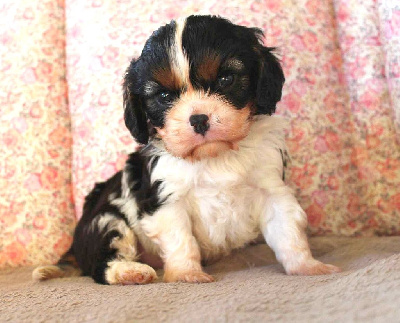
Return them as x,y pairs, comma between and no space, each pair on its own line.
154,57
138,169
285,160
91,245
207,36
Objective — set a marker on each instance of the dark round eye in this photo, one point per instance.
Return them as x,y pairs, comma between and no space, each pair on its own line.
165,97
225,80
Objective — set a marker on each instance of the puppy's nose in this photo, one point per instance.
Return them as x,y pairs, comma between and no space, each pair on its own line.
199,122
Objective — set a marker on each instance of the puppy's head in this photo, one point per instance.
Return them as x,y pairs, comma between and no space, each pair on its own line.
197,84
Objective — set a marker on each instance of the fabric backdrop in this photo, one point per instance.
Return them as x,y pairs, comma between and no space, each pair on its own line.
342,64
62,66
36,210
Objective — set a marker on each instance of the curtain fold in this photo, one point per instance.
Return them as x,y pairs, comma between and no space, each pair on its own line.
373,200
36,210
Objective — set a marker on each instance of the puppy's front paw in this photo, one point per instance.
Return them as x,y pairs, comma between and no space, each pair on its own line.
187,277
313,267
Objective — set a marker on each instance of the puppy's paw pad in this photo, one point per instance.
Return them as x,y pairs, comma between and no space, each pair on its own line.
130,273
189,277
133,277
314,267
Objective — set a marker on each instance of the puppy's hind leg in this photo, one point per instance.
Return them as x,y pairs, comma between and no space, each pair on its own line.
123,270
118,265
105,248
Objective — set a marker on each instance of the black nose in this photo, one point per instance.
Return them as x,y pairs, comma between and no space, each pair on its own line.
199,122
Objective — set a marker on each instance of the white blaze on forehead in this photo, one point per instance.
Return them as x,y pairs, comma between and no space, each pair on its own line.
179,61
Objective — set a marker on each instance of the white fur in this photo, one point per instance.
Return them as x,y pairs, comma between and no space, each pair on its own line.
179,61
219,204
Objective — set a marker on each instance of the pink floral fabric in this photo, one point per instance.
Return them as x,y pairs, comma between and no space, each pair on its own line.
36,213
341,61
373,100
342,97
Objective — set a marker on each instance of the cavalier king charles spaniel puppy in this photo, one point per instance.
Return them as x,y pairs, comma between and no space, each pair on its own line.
208,177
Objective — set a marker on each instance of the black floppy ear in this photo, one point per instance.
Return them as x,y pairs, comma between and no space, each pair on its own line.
270,81
135,117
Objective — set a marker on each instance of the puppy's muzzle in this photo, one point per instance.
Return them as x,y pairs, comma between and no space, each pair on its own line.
200,123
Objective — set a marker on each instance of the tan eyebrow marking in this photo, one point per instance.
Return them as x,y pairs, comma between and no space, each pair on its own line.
168,79
208,69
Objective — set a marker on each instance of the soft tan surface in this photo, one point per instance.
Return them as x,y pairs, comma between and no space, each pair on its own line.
250,287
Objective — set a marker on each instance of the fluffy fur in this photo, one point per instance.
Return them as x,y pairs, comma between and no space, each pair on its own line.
209,177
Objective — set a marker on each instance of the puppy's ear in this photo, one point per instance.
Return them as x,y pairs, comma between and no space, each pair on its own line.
134,114
270,81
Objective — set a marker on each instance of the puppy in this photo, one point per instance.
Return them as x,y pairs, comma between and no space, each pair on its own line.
209,176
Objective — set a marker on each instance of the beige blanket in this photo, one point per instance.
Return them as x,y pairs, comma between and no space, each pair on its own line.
250,287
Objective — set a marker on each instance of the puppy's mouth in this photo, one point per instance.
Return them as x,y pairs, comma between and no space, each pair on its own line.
194,147
211,149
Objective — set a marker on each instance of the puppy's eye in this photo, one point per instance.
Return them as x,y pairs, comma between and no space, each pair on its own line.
225,81
164,97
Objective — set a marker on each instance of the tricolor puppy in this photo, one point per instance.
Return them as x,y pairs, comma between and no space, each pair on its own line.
209,177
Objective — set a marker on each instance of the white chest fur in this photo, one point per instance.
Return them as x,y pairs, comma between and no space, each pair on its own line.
225,196
223,216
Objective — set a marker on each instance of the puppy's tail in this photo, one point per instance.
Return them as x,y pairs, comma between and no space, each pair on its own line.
66,267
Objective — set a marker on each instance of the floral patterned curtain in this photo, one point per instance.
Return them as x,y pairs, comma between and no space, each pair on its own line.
62,67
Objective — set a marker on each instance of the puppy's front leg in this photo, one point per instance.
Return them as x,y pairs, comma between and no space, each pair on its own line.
170,228
283,225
